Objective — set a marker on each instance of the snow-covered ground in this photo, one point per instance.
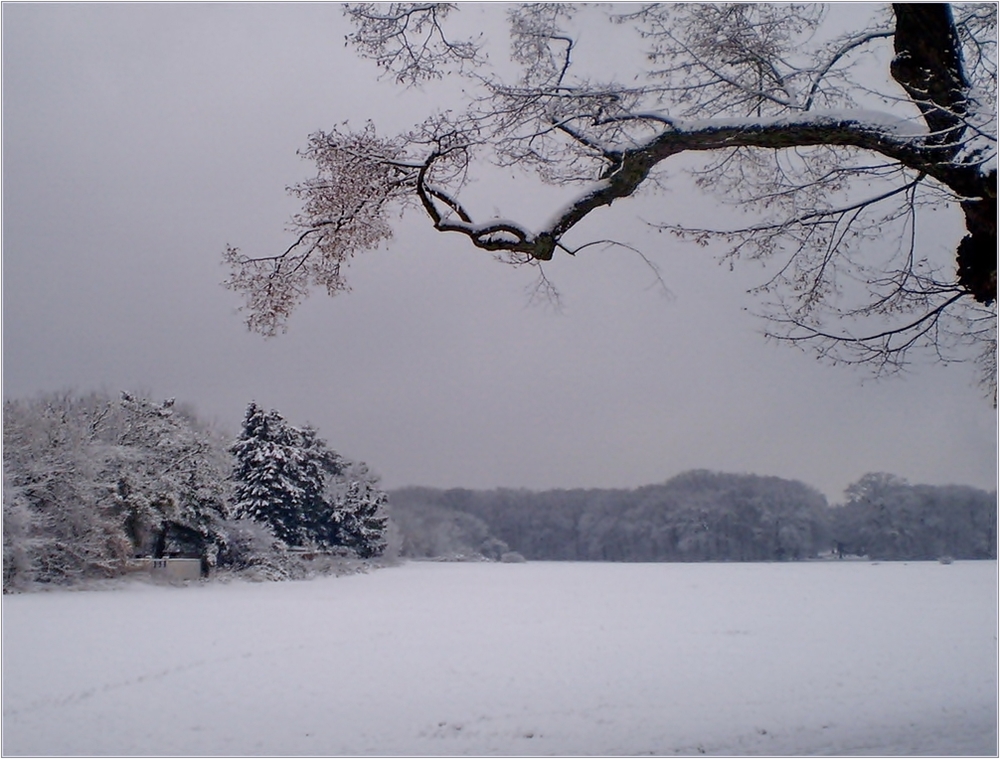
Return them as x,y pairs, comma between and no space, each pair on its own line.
514,659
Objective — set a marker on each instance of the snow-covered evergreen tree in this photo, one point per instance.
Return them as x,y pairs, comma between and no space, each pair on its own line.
364,519
319,464
361,509
272,482
291,480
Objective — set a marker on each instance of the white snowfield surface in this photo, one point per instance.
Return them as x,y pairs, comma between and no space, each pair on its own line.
515,659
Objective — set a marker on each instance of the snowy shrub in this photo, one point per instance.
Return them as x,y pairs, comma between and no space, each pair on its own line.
253,550
245,543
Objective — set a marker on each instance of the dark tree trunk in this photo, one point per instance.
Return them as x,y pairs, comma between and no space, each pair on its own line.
928,65
977,252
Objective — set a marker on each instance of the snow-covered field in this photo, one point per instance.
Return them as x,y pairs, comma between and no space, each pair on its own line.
513,659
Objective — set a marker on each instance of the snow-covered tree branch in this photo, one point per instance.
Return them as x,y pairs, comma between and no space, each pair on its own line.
836,143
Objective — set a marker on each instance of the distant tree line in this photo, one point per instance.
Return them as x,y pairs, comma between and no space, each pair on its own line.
701,516
90,483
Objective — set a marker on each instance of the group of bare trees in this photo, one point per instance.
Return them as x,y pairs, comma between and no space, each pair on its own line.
833,135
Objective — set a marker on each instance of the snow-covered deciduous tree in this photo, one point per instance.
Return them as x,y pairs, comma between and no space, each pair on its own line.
170,478
60,523
837,134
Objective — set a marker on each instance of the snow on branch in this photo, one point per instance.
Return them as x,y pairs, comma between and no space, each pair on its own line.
360,177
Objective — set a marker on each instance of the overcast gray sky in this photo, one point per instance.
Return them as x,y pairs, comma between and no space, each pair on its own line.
140,139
